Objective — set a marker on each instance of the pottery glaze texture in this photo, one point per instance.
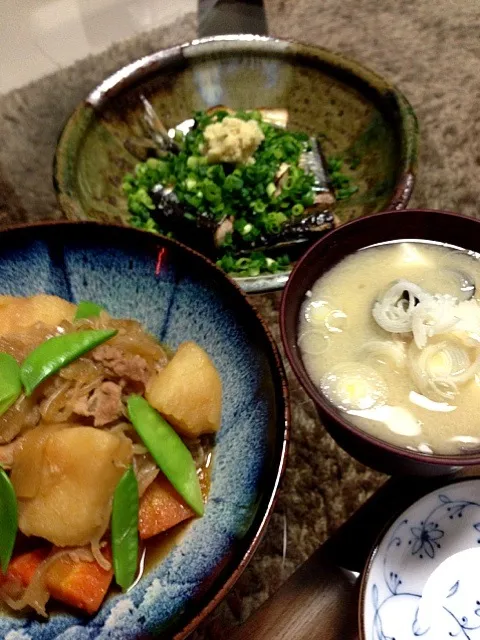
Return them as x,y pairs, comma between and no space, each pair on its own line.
356,115
423,579
175,303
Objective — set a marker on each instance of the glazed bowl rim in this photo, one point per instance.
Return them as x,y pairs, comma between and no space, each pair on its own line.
294,358
405,127
283,422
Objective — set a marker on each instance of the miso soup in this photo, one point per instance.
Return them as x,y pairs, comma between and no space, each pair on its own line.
391,336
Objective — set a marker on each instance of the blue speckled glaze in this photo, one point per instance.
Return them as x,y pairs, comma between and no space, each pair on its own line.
188,299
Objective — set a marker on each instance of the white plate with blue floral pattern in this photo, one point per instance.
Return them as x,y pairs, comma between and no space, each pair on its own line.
423,578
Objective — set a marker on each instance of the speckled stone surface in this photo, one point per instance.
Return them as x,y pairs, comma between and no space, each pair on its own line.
432,51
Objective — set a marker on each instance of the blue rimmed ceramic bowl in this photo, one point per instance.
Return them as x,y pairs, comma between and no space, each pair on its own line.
177,295
421,580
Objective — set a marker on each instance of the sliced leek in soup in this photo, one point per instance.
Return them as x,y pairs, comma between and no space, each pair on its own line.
391,337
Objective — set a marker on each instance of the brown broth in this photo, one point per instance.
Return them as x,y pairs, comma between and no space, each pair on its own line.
152,553
154,550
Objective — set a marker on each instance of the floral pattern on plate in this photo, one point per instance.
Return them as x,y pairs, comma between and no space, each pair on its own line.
423,578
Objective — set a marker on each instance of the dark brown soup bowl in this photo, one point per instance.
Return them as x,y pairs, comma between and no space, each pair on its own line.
436,226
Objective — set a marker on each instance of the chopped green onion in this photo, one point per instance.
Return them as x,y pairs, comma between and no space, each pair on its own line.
178,136
242,263
153,163
233,183
244,266
259,206
211,191
274,222
248,193
270,189
308,199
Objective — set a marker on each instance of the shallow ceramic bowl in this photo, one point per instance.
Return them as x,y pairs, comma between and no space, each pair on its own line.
421,580
435,226
357,114
178,296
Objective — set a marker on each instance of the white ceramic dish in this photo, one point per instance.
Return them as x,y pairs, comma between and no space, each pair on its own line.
423,577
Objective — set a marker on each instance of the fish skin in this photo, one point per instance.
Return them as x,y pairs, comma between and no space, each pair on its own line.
203,233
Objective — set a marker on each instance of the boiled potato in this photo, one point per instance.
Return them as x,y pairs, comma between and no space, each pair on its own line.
79,470
17,314
28,460
188,392
7,300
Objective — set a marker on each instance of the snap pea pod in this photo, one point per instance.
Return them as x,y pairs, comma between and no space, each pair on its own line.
10,383
8,520
125,529
57,352
87,309
168,450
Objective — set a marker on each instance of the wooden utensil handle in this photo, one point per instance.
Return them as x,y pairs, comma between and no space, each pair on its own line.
318,602
320,599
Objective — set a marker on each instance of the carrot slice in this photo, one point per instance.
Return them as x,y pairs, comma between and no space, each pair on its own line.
22,568
161,508
83,585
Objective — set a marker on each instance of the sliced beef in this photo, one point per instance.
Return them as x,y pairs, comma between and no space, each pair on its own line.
104,404
7,454
146,470
132,368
